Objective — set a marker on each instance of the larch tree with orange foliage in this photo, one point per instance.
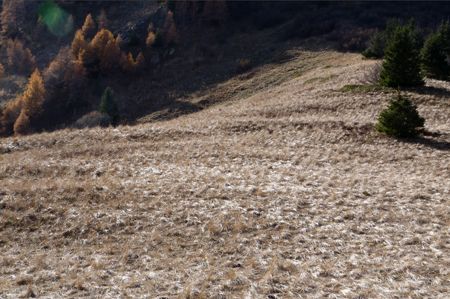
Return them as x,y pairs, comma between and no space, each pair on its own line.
150,40
8,116
79,43
131,65
20,59
12,17
32,101
107,50
89,27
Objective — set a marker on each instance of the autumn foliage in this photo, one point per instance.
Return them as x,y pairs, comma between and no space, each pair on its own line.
31,106
89,28
8,116
131,65
106,50
12,16
20,59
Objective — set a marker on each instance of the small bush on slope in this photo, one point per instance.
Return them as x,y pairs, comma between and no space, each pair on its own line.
93,119
400,119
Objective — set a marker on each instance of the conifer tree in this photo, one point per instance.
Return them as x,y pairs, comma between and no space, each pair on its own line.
436,53
88,59
79,43
12,17
107,50
22,125
20,59
9,115
400,119
89,28
108,105
32,101
64,80
401,66
109,57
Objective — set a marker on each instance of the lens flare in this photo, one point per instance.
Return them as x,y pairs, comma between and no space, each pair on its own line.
58,21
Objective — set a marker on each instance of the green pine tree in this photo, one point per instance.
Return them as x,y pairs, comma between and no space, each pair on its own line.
377,42
436,52
109,106
400,119
401,66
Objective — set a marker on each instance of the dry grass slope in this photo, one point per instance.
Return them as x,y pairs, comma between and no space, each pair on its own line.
284,192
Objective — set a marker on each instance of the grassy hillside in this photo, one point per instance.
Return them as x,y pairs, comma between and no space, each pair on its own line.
280,189
209,47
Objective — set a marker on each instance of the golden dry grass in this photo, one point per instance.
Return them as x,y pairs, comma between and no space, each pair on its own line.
284,192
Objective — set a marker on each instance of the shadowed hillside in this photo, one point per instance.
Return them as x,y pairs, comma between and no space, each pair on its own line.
195,46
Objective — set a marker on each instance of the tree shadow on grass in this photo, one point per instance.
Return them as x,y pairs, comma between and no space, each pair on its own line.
431,140
432,91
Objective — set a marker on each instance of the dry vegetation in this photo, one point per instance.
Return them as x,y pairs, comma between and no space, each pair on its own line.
283,192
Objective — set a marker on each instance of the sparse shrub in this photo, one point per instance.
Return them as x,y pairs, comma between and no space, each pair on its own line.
93,119
89,27
401,66
108,105
20,59
243,65
400,119
32,101
372,75
436,53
